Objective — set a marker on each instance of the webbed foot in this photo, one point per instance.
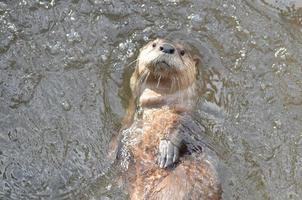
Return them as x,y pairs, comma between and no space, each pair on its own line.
168,153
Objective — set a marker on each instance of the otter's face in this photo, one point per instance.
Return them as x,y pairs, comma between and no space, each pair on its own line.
166,58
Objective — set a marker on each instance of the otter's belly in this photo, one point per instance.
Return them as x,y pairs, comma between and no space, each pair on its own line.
191,177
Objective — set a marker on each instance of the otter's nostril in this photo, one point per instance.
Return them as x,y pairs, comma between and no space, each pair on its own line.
167,48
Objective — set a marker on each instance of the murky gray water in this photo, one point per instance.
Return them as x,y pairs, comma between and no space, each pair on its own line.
64,87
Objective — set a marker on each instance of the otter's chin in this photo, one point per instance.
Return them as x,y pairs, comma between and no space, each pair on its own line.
162,68
163,65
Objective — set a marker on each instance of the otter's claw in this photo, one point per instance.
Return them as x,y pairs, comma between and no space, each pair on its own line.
168,153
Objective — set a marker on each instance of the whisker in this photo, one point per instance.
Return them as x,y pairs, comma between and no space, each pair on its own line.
131,63
177,88
178,83
142,78
146,78
172,84
158,82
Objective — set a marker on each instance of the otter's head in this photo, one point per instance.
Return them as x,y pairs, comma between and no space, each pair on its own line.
169,61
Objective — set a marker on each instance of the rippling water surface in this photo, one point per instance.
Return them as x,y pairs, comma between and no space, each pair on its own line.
64,72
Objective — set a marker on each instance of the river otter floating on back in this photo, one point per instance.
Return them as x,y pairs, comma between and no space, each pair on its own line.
164,142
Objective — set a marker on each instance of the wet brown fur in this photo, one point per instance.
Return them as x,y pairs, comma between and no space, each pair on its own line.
163,106
192,178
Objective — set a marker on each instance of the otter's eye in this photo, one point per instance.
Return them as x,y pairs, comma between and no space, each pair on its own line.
182,52
154,45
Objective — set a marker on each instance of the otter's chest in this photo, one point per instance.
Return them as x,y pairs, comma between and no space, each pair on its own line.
144,135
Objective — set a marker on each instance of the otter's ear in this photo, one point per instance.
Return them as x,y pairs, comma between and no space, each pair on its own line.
197,60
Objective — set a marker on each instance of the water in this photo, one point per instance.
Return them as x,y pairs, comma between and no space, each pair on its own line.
64,72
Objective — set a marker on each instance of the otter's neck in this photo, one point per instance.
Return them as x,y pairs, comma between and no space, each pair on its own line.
156,97
152,91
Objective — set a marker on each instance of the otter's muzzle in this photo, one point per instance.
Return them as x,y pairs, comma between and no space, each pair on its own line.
167,48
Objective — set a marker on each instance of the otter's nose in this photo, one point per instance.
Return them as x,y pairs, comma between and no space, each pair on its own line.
167,48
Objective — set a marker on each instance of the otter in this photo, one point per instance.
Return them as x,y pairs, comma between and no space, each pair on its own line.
164,143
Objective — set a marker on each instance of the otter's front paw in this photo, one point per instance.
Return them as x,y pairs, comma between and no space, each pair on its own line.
168,153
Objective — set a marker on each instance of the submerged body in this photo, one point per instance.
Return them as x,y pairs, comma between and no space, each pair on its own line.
163,140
